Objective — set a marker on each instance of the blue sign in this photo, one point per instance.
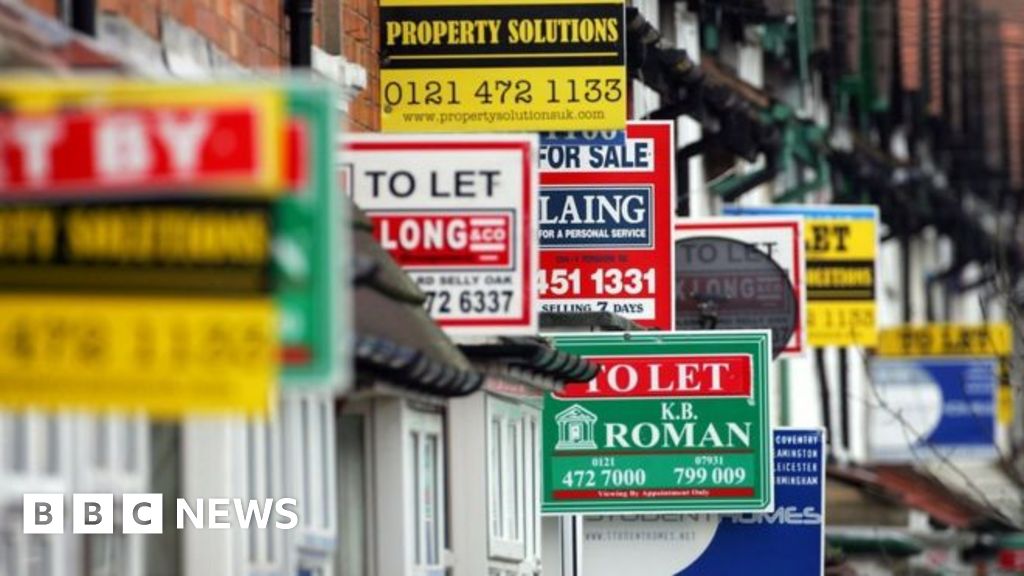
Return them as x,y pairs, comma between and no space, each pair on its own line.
786,542
933,408
789,540
605,217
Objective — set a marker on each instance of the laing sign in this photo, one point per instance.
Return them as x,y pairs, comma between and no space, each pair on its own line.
605,216
614,217
672,422
451,65
458,215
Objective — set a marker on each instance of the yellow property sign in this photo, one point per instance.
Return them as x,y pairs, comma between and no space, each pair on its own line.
163,356
957,340
502,65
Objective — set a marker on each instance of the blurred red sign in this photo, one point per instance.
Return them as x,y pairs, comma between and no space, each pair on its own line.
1011,559
80,152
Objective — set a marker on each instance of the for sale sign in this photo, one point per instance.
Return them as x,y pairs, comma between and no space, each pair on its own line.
842,270
673,422
458,215
780,239
606,205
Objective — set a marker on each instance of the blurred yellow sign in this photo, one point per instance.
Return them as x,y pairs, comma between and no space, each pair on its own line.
946,340
163,356
957,340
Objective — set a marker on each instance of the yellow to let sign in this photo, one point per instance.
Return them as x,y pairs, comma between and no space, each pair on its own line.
163,356
502,65
995,339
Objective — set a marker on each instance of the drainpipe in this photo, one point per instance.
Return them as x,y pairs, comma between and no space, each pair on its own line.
83,16
300,17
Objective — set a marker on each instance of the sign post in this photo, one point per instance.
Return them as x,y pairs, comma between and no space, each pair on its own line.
457,213
501,65
674,422
842,270
606,207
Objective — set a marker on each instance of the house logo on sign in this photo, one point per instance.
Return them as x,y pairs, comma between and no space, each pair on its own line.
575,428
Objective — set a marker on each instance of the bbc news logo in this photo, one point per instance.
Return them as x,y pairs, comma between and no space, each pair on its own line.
144,513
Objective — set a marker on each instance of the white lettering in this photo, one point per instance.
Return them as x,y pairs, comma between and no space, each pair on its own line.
122,148
182,137
36,138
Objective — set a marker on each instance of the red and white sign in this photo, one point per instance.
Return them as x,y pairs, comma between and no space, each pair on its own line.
1011,559
446,240
458,214
705,376
605,215
781,239
136,150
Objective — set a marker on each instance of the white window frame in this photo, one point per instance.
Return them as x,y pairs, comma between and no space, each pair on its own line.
420,426
515,534
368,528
532,457
16,555
264,550
505,474
308,424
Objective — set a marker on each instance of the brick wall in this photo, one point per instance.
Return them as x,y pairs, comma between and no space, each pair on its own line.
254,33
48,7
251,32
360,44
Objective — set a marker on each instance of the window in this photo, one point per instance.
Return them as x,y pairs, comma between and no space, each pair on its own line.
26,555
264,481
106,554
353,494
426,461
307,424
513,454
329,19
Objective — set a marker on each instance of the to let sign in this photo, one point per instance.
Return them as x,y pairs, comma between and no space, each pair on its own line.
842,270
780,239
502,65
606,206
993,340
458,215
673,422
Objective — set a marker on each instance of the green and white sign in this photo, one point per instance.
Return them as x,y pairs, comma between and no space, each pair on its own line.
673,422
